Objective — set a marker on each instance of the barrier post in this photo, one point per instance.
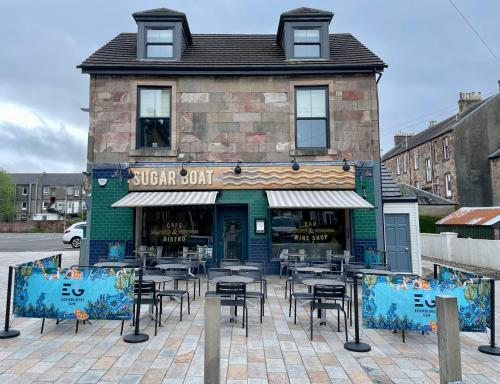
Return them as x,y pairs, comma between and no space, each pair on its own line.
435,271
137,337
450,364
59,260
356,345
212,340
8,333
491,349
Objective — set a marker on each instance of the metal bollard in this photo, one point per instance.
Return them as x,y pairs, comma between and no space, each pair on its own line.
212,340
450,363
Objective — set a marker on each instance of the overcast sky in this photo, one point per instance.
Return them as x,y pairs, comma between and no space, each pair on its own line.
431,52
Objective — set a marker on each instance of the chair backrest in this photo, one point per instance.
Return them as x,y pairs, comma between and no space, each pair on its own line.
177,272
321,264
298,277
257,264
167,260
132,261
228,289
159,251
334,275
148,288
293,265
254,274
216,272
328,291
151,271
229,262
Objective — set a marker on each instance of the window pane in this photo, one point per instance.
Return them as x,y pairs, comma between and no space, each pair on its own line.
311,133
306,35
308,50
155,133
155,102
311,103
160,36
159,51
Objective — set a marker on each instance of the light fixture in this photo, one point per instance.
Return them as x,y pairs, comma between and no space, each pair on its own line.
364,196
130,174
102,182
295,165
237,169
183,172
346,167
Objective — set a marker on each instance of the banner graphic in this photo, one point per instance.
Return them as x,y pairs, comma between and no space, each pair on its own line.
72,293
409,303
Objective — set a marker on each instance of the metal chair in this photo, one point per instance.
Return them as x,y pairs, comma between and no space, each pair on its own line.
297,278
229,262
292,267
321,264
176,294
183,274
320,296
168,260
234,296
148,297
256,275
215,272
337,275
262,268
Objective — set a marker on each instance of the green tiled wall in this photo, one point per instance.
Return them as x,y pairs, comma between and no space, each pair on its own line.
111,223
364,224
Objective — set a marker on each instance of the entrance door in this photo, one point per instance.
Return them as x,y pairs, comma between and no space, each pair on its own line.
397,244
232,232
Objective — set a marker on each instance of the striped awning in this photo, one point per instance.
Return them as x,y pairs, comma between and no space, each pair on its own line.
316,199
164,199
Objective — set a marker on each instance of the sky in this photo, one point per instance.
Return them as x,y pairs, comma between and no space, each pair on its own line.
431,52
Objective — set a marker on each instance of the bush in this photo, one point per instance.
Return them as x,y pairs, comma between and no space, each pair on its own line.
428,224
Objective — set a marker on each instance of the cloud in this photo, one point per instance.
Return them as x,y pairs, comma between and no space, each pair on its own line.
33,142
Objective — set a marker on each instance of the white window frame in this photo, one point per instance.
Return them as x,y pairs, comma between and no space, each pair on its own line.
45,190
77,192
60,205
24,206
447,184
436,152
398,166
45,205
24,191
70,191
446,153
437,186
405,162
418,185
428,170
415,159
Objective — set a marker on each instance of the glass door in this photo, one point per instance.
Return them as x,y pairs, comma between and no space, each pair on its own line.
232,232
232,238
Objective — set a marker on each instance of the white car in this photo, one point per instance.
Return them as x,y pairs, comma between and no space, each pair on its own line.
74,234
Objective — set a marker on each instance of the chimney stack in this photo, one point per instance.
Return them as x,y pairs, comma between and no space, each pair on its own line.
432,123
467,100
401,137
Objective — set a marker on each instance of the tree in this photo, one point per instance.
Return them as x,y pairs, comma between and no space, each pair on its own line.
7,197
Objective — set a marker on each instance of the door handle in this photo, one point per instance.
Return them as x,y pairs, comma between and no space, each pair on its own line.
407,249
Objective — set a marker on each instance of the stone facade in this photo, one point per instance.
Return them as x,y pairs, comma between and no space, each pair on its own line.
495,180
415,173
228,118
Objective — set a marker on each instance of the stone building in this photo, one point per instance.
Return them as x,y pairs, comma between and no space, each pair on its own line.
241,146
47,196
453,158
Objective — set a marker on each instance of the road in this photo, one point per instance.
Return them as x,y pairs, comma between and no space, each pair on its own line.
32,242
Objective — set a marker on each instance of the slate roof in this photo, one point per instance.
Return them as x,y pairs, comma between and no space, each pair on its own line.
231,52
495,154
472,216
51,179
436,130
424,197
306,10
159,12
391,191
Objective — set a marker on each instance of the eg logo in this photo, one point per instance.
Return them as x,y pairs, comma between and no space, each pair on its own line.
418,297
75,292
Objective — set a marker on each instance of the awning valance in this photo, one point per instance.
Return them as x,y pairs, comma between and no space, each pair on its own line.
163,199
316,199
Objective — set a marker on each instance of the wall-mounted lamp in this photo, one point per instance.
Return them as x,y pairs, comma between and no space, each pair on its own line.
237,169
364,195
346,167
130,174
183,172
295,165
102,182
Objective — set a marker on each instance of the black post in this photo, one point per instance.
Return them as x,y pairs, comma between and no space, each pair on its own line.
59,260
137,337
435,271
8,333
491,349
356,345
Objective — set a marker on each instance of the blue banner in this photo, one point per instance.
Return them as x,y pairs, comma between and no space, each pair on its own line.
72,293
409,303
46,262
446,272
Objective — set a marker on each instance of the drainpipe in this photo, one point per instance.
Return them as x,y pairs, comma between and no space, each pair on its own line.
380,163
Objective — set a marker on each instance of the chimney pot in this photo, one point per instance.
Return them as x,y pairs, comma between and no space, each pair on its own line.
432,123
468,99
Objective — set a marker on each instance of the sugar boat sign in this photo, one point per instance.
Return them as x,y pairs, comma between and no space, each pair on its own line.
251,177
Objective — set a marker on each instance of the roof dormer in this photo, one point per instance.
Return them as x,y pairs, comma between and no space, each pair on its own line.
303,33
162,34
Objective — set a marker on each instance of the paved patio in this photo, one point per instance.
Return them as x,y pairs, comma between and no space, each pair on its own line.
275,352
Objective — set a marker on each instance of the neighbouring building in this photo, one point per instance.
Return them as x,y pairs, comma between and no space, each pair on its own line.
474,223
454,158
234,144
429,204
48,196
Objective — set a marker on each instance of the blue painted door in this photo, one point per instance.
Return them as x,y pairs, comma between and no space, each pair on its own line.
397,242
232,232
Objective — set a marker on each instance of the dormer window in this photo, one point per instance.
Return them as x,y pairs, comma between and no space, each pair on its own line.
159,43
306,43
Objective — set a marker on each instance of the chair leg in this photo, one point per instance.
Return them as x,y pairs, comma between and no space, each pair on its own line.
43,324
199,287
133,314
290,306
345,325
156,319
243,324
246,324
338,320
189,305
161,307
286,288
311,321
350,312
76,328
261,308
182,299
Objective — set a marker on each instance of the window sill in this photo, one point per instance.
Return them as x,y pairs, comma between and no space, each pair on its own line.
153,152
313,152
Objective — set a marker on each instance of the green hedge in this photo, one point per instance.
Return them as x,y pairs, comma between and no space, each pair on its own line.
428,224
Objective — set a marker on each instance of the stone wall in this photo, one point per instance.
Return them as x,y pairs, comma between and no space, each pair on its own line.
223,118
53,226
495,180
440,166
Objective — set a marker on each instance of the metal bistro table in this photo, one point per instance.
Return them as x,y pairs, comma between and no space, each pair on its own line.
178,265
233,279
311,283
111,264
316,270
237,268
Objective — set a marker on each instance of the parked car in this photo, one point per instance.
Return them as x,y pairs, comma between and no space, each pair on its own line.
73,235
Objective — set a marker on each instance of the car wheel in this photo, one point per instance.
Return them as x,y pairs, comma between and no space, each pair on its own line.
75,242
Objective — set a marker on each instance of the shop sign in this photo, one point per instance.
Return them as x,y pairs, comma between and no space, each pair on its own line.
251,177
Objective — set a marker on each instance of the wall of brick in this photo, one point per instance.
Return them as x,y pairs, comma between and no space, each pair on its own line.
224,118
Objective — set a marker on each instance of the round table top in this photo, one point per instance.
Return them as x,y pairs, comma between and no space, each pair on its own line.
166,266
156,278
233,279
312,269
312,282
373,271
237,268
110,264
